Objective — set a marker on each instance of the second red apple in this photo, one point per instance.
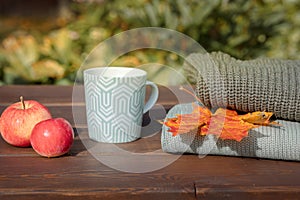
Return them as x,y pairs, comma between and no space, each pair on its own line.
52,137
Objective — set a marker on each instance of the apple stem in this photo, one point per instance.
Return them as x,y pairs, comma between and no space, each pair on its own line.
22,101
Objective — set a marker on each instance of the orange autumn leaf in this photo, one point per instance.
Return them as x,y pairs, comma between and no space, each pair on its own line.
224,123
228,125
187,122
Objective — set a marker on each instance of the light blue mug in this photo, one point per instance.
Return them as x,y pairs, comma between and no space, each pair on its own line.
115,99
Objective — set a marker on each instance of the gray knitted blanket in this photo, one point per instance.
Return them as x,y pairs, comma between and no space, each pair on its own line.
256,85
263,142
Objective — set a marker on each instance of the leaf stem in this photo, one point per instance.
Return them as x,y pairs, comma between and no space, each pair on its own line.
191,93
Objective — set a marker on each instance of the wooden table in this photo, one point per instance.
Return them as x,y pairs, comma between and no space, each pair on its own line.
78,175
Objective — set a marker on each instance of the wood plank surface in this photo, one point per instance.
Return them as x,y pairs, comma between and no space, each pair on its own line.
80,174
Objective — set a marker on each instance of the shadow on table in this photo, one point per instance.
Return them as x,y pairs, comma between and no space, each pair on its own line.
77,146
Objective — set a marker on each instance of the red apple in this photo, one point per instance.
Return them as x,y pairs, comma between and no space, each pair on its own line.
18,120
52,137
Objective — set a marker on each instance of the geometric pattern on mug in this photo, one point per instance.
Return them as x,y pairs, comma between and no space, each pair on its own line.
114,107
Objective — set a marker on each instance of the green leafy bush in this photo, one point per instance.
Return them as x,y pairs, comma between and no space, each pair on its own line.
244,29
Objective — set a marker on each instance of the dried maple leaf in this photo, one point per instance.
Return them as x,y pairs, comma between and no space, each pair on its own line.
187,122
224,123
229,125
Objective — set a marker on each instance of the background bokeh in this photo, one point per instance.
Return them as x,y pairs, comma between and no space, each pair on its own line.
45,42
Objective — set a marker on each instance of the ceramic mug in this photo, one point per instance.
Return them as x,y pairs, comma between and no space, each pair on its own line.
115,99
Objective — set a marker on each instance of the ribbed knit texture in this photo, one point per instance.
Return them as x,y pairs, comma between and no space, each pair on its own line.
256,85
264,142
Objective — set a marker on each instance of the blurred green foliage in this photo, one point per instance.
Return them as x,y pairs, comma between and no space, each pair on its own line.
245,29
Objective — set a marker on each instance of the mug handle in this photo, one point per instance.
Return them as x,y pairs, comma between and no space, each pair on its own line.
153,97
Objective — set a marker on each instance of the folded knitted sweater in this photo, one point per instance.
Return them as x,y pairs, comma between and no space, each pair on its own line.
261,84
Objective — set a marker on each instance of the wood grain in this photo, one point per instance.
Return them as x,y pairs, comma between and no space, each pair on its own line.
79,175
